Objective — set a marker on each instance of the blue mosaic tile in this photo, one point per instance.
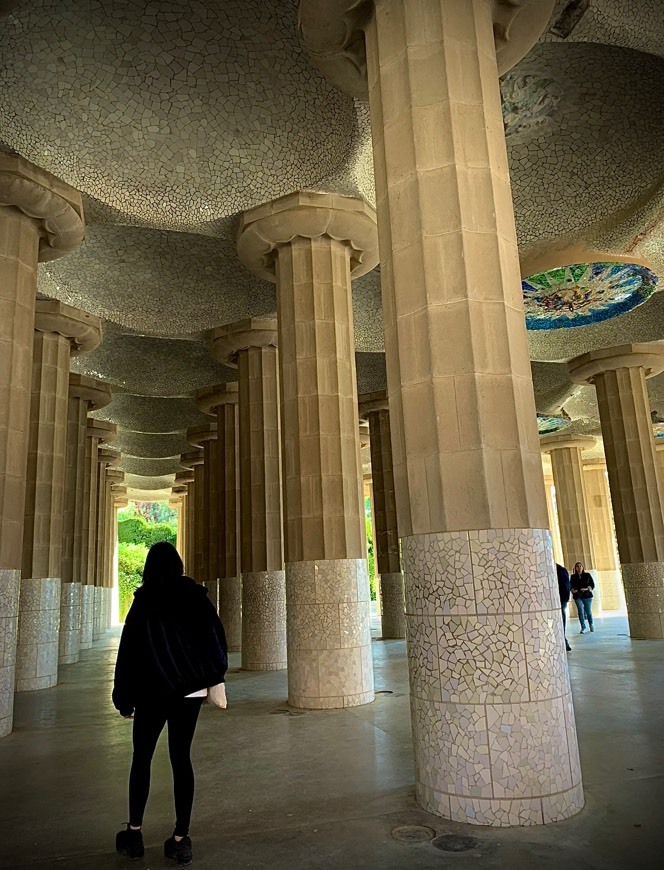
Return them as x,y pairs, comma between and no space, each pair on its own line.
547,425
585,293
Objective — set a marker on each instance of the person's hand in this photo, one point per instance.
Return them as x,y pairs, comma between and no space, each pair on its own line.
217,696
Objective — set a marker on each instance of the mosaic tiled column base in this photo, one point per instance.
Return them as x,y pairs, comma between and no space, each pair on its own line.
611,587
212,587
393,612
644,594
493,722
70,623
264,620
87,614
9,598
97,614
230,611
329,634
108,607
38,631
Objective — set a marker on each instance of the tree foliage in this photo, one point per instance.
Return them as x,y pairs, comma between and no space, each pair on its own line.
135,530
131,558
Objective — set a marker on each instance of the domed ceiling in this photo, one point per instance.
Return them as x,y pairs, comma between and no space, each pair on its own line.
173,118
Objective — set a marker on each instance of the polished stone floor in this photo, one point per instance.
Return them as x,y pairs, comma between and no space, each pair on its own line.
325,789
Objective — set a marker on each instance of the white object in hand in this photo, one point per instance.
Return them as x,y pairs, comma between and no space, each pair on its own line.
217,695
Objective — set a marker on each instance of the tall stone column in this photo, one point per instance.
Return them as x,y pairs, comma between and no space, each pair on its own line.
374,407
85,394
107,459
493,723
311,244
637,494
205,475
222,400
117,500
251,345
40,219
60,331
600,516
99,433
551,511
571,501
193,463
184,482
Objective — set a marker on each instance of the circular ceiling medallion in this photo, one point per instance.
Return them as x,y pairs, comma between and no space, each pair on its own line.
585,293
547,425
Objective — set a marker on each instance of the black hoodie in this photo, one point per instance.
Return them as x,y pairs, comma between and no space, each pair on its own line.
172,644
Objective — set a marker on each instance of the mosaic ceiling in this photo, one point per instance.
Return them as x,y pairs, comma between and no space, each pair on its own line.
173,118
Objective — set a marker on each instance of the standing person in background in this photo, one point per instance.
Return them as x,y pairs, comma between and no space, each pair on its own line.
582,593
172,655
564,592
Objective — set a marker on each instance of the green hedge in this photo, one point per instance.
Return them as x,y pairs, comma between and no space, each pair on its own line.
131,558
135,530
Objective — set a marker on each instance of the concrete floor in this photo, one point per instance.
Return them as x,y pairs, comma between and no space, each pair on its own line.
325,789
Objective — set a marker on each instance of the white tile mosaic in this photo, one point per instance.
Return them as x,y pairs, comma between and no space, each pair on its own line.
38,632
9,607
264,620
70,623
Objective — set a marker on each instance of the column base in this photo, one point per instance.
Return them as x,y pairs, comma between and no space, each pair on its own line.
392,608
87,614
70,623
97,613
493,722
230,611
329,634
644,595
264,621
38,631
611,590
9,607
212,587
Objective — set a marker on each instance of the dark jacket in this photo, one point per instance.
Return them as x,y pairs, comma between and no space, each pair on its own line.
563,584
173,644
579,580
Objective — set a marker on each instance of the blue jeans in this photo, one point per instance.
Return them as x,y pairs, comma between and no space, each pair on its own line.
584,608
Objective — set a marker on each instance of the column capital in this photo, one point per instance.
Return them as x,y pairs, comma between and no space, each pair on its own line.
109,458
189,460
332,31
370,402
227,341
182,478
308,215
561,442
82,329
198,435
55,206
96,393
210,398
115,477
649,357
102,430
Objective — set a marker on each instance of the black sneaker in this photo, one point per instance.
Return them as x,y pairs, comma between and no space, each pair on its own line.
179,850
130,843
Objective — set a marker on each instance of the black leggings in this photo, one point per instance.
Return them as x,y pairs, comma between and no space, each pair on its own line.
148,724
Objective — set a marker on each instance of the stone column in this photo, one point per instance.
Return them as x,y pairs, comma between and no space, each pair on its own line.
85,394
251,345
551,511
193,462
60,331
178,502
205,437
659,456
222,400
637,495
107,459
312,244
493,722
600,517
571,501
99,433
374,407
117,500
40,219
184,482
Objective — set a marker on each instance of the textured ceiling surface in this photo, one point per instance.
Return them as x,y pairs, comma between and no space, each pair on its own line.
173,118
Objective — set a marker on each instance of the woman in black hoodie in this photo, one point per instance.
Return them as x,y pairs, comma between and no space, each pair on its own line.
173,649
582,585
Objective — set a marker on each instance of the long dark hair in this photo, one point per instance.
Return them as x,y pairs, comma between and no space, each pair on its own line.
163,563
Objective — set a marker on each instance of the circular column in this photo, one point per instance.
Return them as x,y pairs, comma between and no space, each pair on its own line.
619,375
374,408
607,566
99,433
184,481
77,600
108,459
311,244
251,345
60,332
193,462
205,437
40,219
222,400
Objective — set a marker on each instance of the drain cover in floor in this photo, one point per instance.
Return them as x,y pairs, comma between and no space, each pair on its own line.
455,843
413,834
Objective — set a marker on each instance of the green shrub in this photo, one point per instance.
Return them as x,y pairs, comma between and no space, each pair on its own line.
131,558
135,530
